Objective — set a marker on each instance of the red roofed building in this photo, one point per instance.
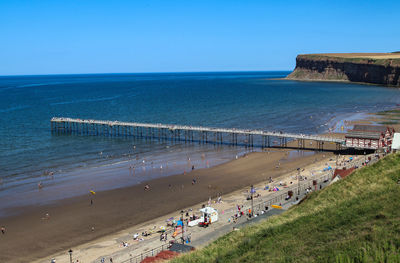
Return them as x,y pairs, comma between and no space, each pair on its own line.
341,173
370,137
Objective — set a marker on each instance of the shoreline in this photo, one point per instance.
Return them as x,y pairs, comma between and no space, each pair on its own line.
64,183
340,81
110,176
71,220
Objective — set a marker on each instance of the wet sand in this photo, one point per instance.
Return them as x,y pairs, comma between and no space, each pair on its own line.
75,221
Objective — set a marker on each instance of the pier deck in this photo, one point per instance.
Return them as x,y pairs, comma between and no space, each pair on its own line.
187,133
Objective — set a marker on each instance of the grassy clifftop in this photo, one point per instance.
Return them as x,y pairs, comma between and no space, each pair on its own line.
353,220
383,59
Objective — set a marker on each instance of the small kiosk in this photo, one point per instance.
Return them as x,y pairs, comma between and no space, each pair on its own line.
209,215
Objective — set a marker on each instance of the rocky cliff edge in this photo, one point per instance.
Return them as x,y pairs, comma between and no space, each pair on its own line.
374,68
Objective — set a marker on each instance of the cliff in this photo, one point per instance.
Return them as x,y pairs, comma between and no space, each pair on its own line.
374,68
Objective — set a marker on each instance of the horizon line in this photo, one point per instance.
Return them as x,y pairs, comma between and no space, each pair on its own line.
126,73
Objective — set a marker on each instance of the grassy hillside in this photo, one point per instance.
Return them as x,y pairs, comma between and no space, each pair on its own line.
353,220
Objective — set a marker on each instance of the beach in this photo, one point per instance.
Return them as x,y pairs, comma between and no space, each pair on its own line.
45,230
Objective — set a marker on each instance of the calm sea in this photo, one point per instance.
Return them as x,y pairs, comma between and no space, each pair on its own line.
233,99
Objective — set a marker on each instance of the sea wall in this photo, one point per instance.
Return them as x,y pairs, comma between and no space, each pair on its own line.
374,71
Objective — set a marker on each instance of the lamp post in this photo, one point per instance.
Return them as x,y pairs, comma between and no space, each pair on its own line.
252,192
183,239
298,181
70,255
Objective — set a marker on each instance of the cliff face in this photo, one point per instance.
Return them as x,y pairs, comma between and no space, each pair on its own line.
385,71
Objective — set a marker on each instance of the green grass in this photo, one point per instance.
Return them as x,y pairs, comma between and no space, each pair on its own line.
354,220
389,117
391,122
394,62
388,112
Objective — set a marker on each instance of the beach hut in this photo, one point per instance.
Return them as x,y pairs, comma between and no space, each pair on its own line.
396,142
209,215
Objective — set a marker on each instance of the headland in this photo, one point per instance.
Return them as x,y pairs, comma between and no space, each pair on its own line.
371,68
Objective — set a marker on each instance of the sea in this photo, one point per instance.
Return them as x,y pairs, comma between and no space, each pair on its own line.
71,165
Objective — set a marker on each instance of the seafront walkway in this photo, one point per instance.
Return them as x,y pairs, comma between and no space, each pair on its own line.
61,125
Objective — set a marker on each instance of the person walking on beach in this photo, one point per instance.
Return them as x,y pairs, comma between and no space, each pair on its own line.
3,230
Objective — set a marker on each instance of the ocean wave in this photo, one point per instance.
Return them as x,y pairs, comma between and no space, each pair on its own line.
84,100
29,85
13,109
39,84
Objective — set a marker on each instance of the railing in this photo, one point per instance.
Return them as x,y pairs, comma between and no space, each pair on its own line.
151,253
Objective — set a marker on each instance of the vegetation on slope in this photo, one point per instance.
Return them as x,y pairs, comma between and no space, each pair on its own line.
354,220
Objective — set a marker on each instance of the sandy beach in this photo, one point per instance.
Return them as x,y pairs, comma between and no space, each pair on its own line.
45,230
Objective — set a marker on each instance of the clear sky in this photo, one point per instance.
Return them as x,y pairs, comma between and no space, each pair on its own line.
96,36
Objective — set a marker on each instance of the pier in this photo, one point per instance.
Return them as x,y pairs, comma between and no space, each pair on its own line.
232,136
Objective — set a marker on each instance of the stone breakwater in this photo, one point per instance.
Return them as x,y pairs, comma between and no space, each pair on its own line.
381,71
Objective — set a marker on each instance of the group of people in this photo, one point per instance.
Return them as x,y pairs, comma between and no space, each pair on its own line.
137,238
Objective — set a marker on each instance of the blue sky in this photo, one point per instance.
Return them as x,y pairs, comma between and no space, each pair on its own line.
96,36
